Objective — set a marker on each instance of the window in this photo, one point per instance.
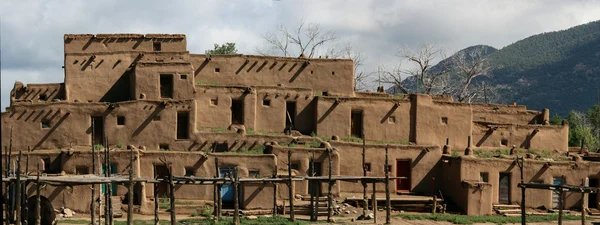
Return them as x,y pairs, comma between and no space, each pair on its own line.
214,101
183,76
325,93
163,147
189,171
156,118
217,70
356,126
295,166
120,120
43,97
311,72
391,119
183,121
45,123
484,177
332,73
253,173
368,167
266,102
156,46
504,142
444,120
237,112
166,85
80,170
221,147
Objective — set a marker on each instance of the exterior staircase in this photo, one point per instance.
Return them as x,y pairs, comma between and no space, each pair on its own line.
507,210
302,206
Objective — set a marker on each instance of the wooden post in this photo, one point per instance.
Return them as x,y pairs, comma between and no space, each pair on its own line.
218,188
93,203
311,188
9,200
156,203
290,189
584,201
236,203
275,192
108,192
330,182
18,190
374,199
521,164
172,196
37,192
130,194
365,198
388,208
560,205
434,207
25,195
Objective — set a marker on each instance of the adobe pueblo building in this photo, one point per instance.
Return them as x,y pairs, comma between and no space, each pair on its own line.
148,95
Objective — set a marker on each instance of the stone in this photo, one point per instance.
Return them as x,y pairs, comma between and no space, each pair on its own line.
67,212
354,211
251,217
369,216
347,212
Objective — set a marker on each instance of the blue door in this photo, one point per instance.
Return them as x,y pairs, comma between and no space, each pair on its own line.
555,194
226,189
113,170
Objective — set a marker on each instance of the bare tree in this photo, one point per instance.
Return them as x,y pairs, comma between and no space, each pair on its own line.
304,39
469,66
427,79
349,52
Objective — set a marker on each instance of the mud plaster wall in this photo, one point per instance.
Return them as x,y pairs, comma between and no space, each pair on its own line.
522,136
534,171
301,157
273,117
334,76
430,127
38,92
465,194
507,117
70,124
87,43
215,106
424,165
383,119
147,80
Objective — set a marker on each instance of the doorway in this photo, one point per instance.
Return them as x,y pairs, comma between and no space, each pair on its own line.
161,171
593,197
504,189
403,168
183,121
113,186
314,186
555,194
227,189
290,115
237,111
356,126
166,85
97,130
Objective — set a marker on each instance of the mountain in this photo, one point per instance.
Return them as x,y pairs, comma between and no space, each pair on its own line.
557,70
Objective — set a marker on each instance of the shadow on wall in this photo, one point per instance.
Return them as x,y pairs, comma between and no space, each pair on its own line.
385,118
144,124
51,131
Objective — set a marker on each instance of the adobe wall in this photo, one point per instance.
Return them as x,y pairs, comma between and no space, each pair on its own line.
89,43
472,197
147,80
334,76
574,173
430,128
424,165
522,136
37,93
383,119
507,116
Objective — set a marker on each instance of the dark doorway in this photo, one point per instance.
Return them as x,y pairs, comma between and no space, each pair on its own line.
403,168
504,189
314,186
593,197
98,130
356,126
137,191
161,171
227,190
166,85
183,121
290,115
237,111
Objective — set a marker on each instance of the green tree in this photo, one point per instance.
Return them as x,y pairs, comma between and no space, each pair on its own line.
584,127
227,48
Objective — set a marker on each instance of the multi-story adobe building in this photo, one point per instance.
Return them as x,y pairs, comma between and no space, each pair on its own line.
148,94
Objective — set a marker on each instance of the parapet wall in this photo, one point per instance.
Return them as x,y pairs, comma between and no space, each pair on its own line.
89,43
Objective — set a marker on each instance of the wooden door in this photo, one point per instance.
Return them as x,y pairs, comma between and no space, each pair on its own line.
504,188
403,169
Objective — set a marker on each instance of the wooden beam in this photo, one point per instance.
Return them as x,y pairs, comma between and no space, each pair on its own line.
330,186
290,187
172,196
236,200
130,192
18,190
156,203
38,209
388,206
365,198
275,192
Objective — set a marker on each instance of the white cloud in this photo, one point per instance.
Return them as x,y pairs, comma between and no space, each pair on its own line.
32,31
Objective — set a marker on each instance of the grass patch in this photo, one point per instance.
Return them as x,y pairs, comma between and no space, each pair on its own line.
98,147
352,139
464,219
264,132
219,130
455,154
202,82
207,211
490,153
403,142
542,153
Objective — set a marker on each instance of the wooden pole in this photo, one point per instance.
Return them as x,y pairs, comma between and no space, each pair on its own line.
108,192
584,201
364,164
218,187
25,195
130,194
275,192
9,199
18,189
38,209
520,163
561,201
172,196
236,203
330,183
388,208
312,187
93,203
290,191
156,203
374,198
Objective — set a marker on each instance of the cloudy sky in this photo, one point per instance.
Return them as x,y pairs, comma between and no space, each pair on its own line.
32,31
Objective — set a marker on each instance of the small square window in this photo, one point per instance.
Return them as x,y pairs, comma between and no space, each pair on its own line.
217,70
504,142
444,120
163,147
45,123
389,168
266,102
156,46
332,73
214,101
120,120
311,72
392,119
43,97
189,171
325,93
183,76
156,118
253,173
81,170
221,147
295,166
483,177
368,167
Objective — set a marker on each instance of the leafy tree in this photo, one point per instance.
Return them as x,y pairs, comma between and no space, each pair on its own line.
584,127
225,49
